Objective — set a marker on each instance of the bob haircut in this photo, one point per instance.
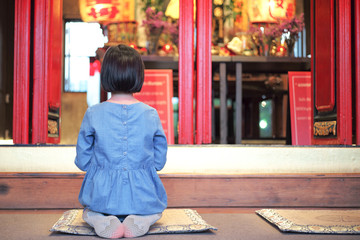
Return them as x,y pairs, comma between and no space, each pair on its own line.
122,70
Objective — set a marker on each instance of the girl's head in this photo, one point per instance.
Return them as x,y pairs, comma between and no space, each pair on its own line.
122,70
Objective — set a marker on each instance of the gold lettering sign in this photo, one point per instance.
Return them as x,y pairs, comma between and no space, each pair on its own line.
107,11
325,128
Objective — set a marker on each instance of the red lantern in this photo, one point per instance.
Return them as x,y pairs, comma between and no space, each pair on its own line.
280,51
107,11
167,48
133,45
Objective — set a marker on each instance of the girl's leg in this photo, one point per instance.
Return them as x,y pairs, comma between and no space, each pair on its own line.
138,225
105,226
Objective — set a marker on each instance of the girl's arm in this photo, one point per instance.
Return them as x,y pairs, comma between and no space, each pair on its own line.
160,145
85,144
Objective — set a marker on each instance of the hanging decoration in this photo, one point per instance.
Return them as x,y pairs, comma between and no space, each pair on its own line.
270,11
107,11
240,14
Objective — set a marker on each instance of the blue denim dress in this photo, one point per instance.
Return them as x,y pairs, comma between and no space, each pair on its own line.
121,148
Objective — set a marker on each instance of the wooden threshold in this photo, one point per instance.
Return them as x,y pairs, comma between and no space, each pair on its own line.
60,190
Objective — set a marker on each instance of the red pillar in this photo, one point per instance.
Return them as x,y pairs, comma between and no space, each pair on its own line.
186,72
357,68
55,61
344,72
47,68
203,71
40,72
45,77
21,71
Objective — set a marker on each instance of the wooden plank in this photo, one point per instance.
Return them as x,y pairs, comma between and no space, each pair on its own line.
223,104
44,192
251,64
60,190
238,99
262,192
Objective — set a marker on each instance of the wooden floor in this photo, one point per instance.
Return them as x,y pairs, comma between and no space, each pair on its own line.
199,210
232,224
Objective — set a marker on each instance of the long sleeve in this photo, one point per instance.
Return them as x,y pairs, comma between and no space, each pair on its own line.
85,143
160,145
121,147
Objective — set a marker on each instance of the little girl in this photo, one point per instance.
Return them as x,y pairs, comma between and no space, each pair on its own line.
121,146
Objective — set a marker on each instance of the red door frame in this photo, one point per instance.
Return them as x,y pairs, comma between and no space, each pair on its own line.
40,71
21,105
186,72
55,61
357,68
48,48
47,68
47,77
203,71
342,72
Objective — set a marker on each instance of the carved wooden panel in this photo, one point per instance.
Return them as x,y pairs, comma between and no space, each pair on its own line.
324,55
331,69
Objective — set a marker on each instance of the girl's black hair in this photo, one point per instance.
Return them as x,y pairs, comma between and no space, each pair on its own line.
122,70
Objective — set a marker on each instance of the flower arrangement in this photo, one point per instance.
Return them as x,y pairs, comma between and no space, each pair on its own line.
288,28
155,24
293,26
272,31
257,38
157,5
271,35
173,30
291,29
